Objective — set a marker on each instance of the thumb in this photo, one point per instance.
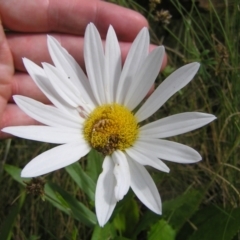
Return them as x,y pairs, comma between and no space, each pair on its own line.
6,71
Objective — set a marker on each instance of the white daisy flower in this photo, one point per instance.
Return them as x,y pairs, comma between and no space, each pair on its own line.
96,111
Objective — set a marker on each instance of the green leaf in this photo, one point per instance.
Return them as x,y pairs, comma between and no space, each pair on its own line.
66,202
179,210
148,219
74,233
15,173
56,199
168,70
106,232
59,198
126,220
51,195
33,237
82,179
121,238
161,230
94,164
6,228
216,223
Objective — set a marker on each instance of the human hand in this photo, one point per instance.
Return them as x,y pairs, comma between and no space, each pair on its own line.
29,22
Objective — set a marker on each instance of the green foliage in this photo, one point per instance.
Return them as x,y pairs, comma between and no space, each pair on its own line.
74,235
125,221
6,228
212,222
146,221
78,210
94,164
15,173
161,230
60,199
56,199
177,211
106,232
83,181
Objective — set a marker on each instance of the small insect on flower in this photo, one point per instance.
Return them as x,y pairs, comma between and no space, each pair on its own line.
97,111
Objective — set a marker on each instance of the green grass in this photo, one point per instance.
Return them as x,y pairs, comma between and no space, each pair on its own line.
210,36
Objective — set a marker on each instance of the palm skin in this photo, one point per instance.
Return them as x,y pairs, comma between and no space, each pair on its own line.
26,24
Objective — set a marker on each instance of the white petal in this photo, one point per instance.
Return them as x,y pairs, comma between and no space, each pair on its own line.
171,151
135,58
113,65
166,89
144,187
39,77
47,114
45,133
146,158
65,89
121,173
176,124
144,78
94,61
105,200
55,159
70,70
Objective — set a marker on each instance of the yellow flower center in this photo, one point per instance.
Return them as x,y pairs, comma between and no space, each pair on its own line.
111,127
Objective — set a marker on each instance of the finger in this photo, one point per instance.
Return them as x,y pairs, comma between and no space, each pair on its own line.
34,47
68,16
6,71
22,84
14,116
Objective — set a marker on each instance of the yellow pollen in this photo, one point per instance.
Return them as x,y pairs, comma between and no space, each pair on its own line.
111,127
